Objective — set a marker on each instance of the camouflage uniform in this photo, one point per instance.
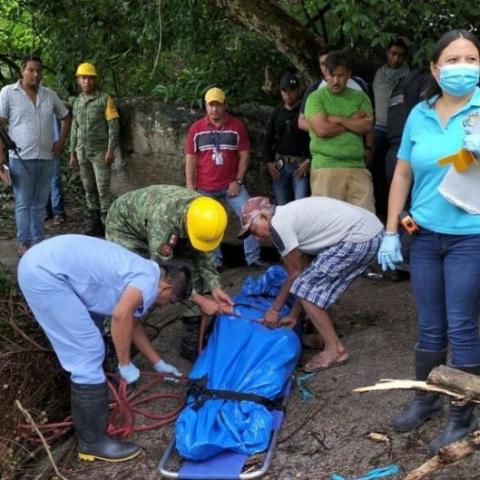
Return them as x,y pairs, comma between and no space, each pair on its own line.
150,221
95,127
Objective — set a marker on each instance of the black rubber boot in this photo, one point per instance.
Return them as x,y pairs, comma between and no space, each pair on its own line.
425,405
190,338
110,361
461,420
89,411
95,226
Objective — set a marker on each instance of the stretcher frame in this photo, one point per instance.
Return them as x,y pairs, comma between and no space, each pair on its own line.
278,418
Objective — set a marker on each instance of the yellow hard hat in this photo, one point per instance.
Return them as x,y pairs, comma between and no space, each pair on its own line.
87,69
206,223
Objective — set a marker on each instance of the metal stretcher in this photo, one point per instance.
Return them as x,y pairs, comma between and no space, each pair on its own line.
228,465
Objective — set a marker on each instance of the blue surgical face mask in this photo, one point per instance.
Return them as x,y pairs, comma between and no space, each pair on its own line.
459,79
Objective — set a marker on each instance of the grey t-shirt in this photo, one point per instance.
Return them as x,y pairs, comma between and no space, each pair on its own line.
314,223
385,80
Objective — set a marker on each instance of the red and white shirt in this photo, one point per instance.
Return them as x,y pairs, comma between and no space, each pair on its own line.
229,139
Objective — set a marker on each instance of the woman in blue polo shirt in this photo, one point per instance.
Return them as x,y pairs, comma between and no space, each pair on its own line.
445,256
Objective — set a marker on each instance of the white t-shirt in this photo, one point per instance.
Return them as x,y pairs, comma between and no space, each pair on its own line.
314,223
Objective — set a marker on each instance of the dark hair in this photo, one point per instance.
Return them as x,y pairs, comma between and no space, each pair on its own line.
30,58
322,50
445,40
179,276
398,42
336,59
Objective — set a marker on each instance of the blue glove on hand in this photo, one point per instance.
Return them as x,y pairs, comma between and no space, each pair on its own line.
471,142
389,253
130,373
164,367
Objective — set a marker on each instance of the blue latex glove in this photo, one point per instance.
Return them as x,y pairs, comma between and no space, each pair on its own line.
389,253
471,142
164,367
130,373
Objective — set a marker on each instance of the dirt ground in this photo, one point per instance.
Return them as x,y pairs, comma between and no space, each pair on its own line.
376,319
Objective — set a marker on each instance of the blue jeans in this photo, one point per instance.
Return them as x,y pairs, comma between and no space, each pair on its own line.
250,245
56,191
287,188
31,189
445,274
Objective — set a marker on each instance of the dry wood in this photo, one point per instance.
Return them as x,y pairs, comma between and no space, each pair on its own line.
465,384
14,309
445,380
387,384
378,437
448,455
449,381
39,433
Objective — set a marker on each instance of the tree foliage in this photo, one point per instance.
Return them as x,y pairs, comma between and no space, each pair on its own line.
176,49
173,49
367,26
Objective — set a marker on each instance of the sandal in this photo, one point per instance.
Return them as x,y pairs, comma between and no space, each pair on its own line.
339,359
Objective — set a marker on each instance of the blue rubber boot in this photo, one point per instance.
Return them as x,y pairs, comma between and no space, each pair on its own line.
461,420
425,405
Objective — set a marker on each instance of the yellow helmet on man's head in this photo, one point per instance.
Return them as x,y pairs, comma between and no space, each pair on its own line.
87,69
206,223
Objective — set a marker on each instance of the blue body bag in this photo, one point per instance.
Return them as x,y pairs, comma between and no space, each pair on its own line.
241,356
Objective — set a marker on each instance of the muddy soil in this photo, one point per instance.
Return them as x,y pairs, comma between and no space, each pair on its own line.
376,319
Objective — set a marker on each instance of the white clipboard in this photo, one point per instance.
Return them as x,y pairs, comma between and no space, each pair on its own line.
463,188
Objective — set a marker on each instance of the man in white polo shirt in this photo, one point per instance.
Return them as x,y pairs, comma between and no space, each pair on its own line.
28,107
324,244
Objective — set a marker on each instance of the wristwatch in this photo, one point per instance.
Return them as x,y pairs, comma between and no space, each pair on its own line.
239,181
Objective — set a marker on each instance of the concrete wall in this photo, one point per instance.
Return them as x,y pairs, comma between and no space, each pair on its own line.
152,144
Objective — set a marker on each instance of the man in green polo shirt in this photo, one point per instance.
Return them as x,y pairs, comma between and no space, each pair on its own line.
338,118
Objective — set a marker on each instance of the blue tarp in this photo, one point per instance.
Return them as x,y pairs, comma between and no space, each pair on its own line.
243,356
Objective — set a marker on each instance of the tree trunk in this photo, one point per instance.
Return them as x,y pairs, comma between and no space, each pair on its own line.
290,37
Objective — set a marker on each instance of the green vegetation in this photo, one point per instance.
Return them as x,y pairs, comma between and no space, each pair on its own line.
175,49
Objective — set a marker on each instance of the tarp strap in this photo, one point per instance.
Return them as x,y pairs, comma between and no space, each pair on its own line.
201,393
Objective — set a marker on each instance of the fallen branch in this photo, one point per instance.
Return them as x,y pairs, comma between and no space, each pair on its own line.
387,384
39,433
14,309
459,385
448,455
463,383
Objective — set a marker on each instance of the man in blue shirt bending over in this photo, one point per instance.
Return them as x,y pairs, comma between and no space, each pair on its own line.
71,282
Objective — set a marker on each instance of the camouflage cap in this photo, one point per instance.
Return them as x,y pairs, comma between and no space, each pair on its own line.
253,207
